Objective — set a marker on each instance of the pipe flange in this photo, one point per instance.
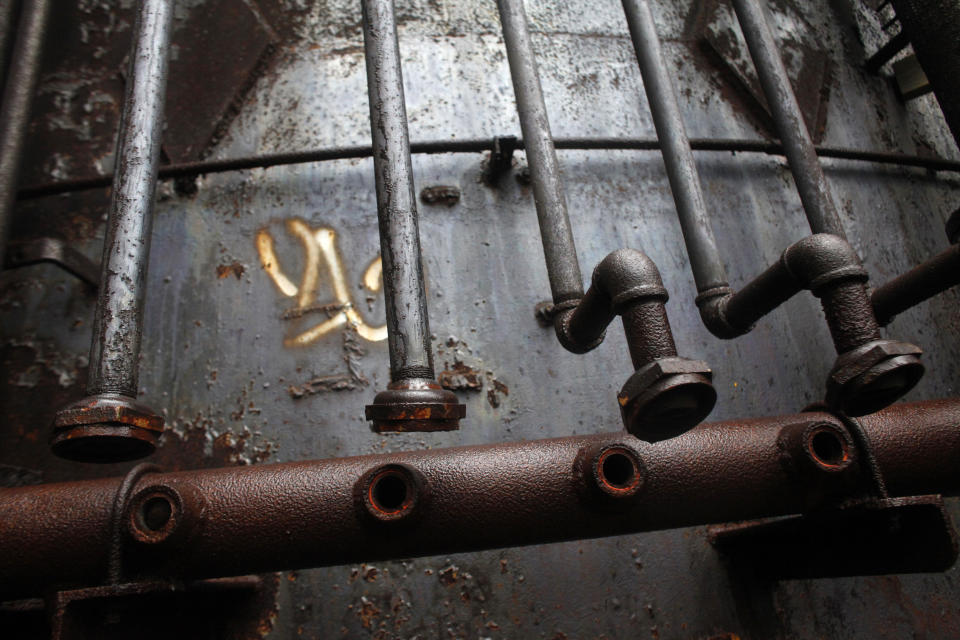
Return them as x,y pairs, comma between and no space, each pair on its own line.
391,493
873,376
613,474
107,427
415,404
666,398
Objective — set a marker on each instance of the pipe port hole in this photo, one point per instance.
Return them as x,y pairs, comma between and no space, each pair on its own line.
618,472
154,514
828,448
391,494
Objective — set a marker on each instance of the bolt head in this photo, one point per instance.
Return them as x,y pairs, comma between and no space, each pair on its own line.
666,398
873,376
105,428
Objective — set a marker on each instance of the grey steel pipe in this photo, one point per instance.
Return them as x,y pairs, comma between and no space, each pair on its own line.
7,15
258,518
708,271
788,120
563,269
109,425
18,90
412,386
923,282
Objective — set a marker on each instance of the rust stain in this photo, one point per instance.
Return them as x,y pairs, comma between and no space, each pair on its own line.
440,194
226,270
460,377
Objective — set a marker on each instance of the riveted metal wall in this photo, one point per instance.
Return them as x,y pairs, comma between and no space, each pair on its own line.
248,353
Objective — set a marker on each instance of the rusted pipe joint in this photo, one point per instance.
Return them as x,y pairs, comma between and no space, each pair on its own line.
625,277
822,457
415,404
155,514
817,263
106,427
872,376
666,395
613,474
822,260
391,494
869,373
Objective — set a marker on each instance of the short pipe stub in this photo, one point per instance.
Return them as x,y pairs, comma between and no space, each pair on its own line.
416,404
391,493
614,472
154,514
817,449
667,398
105,428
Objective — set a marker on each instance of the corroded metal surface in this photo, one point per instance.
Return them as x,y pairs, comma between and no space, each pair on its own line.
304,514
220,357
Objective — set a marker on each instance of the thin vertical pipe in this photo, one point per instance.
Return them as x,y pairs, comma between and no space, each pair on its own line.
18,91
7,17
408,326
708,271
563,269
788,120
115,350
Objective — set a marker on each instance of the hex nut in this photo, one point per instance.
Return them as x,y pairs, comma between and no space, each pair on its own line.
666,398
873,376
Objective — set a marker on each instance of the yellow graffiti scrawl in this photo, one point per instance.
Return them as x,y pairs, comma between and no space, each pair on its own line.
320,248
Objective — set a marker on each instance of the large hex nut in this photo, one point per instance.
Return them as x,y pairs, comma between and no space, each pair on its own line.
666,398
107,427
415,404
873,376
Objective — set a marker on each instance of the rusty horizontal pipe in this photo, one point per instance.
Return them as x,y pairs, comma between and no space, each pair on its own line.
260,518
924,281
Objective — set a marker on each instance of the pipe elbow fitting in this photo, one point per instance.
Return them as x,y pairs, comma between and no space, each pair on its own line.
627,275
623,278
713,305
821,260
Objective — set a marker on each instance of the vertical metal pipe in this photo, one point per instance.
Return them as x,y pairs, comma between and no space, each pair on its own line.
708,271
7,16
109,425
407,321
413,401
21,84
563,269
116,340
788,120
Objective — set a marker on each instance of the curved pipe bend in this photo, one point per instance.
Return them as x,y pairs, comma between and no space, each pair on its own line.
623,281
822,263
869,373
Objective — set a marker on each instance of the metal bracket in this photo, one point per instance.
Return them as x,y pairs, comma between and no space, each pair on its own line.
501,158
55,251
889,536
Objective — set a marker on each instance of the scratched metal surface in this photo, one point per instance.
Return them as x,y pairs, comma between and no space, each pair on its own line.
250,364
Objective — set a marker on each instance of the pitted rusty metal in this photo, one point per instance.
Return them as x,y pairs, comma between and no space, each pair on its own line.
480,497
105,428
